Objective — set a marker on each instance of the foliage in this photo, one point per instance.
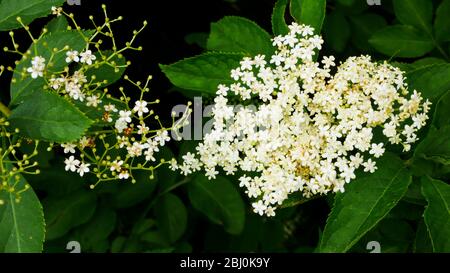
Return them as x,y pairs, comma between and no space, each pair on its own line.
404,205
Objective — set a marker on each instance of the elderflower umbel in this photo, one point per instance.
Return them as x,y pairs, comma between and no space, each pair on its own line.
310,130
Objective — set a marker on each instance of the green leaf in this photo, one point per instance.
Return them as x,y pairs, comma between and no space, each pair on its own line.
346,2
441,116
172,216
279,26
47,116
105,72
436,145
416,13
394,236
401,41
27,10
337,31
21,224
422,243
220,201
101,225
437,213
309,12
65,213
197,38
432,81
363,27
57,24
366,201
427,61
204,72
442,22
130,194
23,85
237,34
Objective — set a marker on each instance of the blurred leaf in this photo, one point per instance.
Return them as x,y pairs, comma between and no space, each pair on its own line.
172,216
101,225
155,238
336,31
237,34
363,27
437,213
401,41
442,22
117,244
166,177
393,235
416,13
422,243
366,201
279,26
64,213
406,211
309,12
346,2
130,194
219,201
50,117
27,10
197,38
21,223
414,193
55,181
204,72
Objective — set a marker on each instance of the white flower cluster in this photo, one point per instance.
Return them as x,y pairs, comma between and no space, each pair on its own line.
311,130
130,138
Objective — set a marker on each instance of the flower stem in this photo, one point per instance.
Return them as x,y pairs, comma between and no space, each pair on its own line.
4,109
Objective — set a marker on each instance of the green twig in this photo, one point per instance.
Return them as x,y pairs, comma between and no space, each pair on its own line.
5,110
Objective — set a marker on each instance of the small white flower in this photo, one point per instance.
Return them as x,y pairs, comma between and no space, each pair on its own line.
93,101
173,164
125,116
57,83
69,147
72,56
370,166
124,174
84,142
259,207
162,137
83,168
377,150
140,107
110,108
57,11
149,155
71,163
116,165
120,125
37,67
142,129
135,149
87,57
